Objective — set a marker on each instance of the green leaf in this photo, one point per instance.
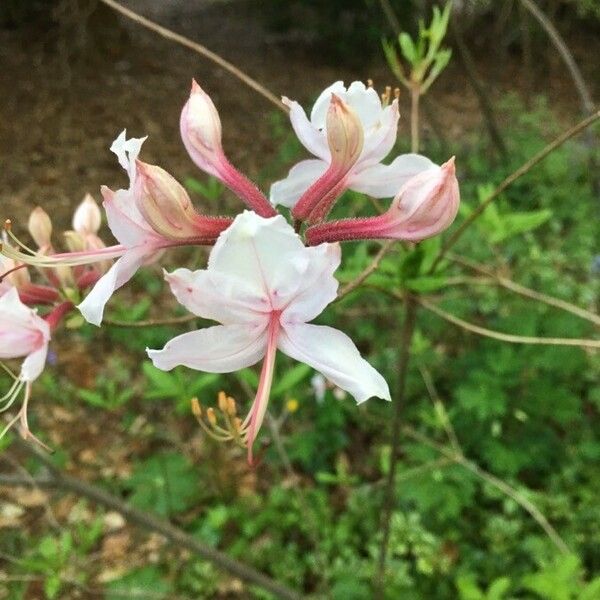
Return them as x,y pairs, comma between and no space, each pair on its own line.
426,283
408,48
516,223
52,586
165,484
136,583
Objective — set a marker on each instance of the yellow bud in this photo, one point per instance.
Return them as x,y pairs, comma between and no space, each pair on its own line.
196,408
292,405
222,401
210,415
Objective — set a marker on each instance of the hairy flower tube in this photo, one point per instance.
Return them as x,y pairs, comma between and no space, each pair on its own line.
264,286
201,134
368,174
425,206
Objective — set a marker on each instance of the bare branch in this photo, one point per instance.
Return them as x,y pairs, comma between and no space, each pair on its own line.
199,48
506,337
522,170
369,270
525,291
59,480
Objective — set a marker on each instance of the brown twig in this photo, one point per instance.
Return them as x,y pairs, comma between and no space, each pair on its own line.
199,48
151,322
389,493
57,479
369,270
525,291
522,170
498,483
585,96
506,337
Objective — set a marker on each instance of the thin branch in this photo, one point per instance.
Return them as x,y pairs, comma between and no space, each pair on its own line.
506,337
151,322
522,170
199,48
370,269
58,479
498,483
389,497
582,89
527,292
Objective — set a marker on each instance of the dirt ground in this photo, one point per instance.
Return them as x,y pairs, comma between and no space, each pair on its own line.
64,97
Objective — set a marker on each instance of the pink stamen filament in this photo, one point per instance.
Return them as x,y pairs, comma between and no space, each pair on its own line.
259,406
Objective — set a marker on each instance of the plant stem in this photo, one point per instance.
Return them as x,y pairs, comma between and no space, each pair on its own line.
415,97
389,497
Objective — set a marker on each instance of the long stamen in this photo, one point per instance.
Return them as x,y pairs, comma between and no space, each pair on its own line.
14,238
66,259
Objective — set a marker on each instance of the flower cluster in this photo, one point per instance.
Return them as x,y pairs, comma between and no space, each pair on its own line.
265,280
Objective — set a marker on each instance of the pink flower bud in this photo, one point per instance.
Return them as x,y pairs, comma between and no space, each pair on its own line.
425,206
87,218
201,131
345,137
40,227
344,134
201,134
167,208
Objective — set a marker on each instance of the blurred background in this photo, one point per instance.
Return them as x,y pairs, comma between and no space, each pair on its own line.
73,74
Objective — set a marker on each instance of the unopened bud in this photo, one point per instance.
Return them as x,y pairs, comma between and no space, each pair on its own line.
201,130
87,217
231,407
344,134
40,227
164,203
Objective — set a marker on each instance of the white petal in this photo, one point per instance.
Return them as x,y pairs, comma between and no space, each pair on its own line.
219,349
34,364
335,356
266,253
385,181
366,102
127,151
318,287
314,140
318,114
92,308
380,139
301,176
124,219
215,296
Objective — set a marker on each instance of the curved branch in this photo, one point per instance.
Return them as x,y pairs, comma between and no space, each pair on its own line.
506,337
522,170
509,284
199,48
58,479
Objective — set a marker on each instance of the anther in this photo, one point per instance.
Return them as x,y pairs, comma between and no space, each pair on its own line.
369,83
397,93
7,225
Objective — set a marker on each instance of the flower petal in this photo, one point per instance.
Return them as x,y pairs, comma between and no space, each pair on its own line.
301,176
124,218
335,356
309,135
266,253
319,286
219,349
384,181
215,296
318,114
92,308
380,139
366,102
34,364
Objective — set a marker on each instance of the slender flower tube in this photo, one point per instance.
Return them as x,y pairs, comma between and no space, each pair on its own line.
16,275
345,139
22,334
368,175
264,286
201,134
425,206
